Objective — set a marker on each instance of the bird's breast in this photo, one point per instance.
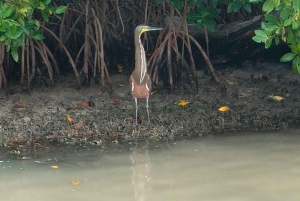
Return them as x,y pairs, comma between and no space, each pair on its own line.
140,90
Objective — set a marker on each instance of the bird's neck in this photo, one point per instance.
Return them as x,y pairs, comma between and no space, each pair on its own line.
140,69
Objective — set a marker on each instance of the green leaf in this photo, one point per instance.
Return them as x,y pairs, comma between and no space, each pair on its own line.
276,3
287,57
288,22
296,5
41,6
177,4
2,38
286,2
296,65
60,9
210,24
6,12
272,19
260,36
268,6
47,2
17,35
213,3
193,17
45,15
15,55
247,8
234,6
286,12
38,37
276,40
268,43
295,24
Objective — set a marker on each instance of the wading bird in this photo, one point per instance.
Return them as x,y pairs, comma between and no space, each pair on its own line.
140,79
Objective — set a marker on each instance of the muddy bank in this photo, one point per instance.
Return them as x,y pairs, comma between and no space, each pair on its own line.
63,115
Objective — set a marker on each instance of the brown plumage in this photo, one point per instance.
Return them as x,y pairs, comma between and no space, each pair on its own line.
140,79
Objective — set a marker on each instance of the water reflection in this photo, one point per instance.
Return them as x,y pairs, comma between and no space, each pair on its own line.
254,166
141,171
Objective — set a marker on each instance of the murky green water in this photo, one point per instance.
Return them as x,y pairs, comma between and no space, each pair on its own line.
253,166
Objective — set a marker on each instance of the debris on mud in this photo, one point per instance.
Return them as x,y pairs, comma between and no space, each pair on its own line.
259,98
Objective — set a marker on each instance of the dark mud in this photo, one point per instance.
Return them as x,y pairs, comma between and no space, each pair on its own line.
40,120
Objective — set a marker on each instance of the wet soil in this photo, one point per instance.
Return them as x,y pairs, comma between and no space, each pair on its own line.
62,115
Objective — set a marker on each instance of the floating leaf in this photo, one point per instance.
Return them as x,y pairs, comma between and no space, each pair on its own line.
84,104
74,182
183,103
223,109
54,166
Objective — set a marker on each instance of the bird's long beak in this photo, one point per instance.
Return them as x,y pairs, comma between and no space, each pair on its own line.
153,29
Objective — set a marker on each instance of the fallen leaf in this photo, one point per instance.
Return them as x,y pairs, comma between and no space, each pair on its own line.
84,104
229,82
121,85
54,166
116,101
73,107
17,106
183,103
153,92
223,109
69,118
139,121
278,98
74,182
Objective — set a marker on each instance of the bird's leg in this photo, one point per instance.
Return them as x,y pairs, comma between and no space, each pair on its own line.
147,107
136,111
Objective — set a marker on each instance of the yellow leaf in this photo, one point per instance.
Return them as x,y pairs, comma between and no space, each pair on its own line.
223,109
22,11
74,182
229,82
278,98
54,166
183,103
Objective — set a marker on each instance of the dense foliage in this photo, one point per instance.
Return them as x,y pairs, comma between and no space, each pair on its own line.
282,23
18,23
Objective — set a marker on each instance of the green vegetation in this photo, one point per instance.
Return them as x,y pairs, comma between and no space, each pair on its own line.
282,23
92,31
18,23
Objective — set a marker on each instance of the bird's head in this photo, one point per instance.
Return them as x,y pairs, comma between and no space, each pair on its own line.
143,28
